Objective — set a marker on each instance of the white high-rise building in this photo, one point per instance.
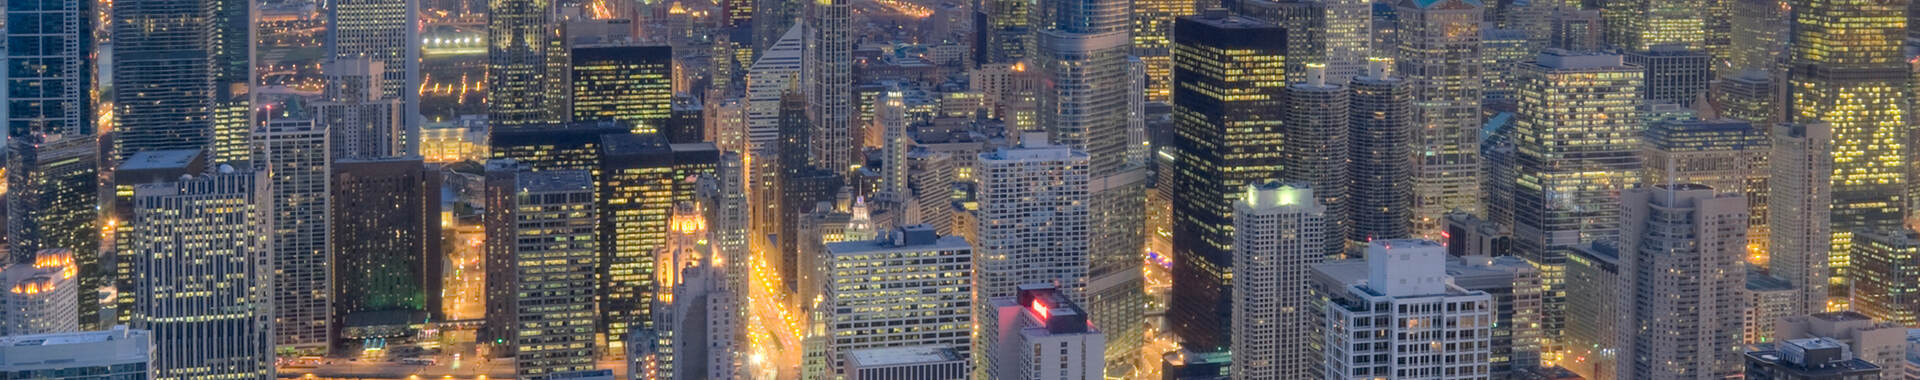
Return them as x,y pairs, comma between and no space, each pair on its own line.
1280,231
1439,54
294,155
1041,335
777,73
41,297
116,353
1033,219
385,31
1800,191
203,275
906,289
1682,256
360,121
1432,329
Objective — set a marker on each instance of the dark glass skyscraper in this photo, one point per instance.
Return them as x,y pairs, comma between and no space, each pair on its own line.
387,262
633,84
1228,89
642,177
52,203
50,52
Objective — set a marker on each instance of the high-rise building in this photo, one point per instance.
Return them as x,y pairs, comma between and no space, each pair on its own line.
1886,282
1004,31
1577,139
1640,25
385,31
922,301
1674,74
641,177
140,168
1034,222
540,268
1229,136
572,146
1279,232
1760,35
387,261
776,73
51,94
1853,76
1153,42
53,194
1516,289
1809,359
1878,341
1751,95
294,156
520,64
693,329
1379,142
1502,51
1316,149
1769,298
362,123
117,353
1041,335
930,187
1683,269
1799,189
42,296
1727,155
204,275
830,77
1468,235
1407,280
1439,54
631,84
1306,26
166,55
1593,289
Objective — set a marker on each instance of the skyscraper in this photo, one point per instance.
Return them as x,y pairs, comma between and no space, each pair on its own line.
1153,42
1639,25
361,123
53,203
1229,136
1594,289
141,168
387,259
1682,264
1674,74
294,155
204,275
1407,280
1042,317
1379,142
50,91
1439,53
1800,191
1886,276
1577,139
1878,341
830,98
923,300
1727,155
1853,76
522,36
631,84
42,296
1751,95
540,288
163,64
1033,219
386,31
1317,147
1280,231
642,177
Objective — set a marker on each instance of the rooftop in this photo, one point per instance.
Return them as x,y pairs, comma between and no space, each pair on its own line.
894,356
160,159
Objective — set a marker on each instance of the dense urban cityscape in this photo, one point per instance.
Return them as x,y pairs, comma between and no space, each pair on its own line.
961,189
